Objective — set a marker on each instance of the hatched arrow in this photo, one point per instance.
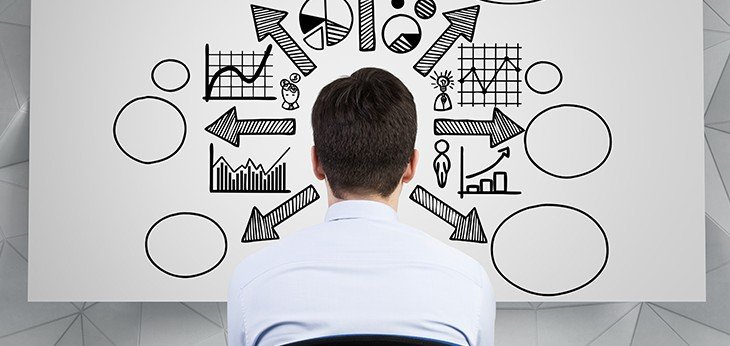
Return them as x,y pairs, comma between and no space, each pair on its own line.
229,128
267,22
500,129
462,22
262,227
466,228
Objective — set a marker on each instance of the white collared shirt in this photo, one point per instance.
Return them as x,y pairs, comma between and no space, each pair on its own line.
360,272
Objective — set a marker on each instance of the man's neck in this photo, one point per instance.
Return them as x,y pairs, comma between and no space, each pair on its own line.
391,200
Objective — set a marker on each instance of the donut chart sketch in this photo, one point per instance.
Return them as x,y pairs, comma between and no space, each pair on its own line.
577,153
168,62
405,37
531,83
568,252
144,140
172,245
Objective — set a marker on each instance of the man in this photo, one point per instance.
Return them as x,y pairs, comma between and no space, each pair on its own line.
361,273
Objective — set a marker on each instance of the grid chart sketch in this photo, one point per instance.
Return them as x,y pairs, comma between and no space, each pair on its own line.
490,75
238,75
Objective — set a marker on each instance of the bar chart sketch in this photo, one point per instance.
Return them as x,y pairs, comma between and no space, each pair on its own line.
490,75
495,185
247,178
238,75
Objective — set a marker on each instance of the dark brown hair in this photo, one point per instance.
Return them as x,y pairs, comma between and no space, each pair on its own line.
364,132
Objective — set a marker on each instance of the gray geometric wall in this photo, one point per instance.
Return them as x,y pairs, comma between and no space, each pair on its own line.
88,323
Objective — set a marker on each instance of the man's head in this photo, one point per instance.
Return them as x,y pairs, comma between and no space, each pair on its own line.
364,135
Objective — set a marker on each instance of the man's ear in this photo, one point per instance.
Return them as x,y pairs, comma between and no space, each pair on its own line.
316,166
411,167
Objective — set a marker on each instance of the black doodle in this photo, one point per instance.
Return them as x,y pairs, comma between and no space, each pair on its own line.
442,81
267,22
462,22
228,81
490,75
401,42
130,155
496,185
325,23
290,92
366,9
545,91
442,162
248,177
397,4
500,129
467,228
185,276
170,61
550,294
425,9
262,227
229,128
603,161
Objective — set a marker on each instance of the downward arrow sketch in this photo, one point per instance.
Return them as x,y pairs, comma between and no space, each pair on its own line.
268,23
462,22
501,128
466,228
261,227
228,127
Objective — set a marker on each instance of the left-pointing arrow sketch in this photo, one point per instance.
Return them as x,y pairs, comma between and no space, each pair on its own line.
268,23
228,127
261,227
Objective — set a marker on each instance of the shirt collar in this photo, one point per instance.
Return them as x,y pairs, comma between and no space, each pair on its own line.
360,209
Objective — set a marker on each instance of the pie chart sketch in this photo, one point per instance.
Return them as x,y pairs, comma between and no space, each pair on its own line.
401,33
325,23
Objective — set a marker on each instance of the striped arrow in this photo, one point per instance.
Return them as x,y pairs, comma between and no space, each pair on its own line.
462,22
466,228
261,227
228,127
500,129
268,23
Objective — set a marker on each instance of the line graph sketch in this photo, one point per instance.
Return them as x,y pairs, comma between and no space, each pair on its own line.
249,177
237,75
490,75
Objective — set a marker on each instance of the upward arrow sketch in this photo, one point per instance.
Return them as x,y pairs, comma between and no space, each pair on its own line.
228,127
500,129
462,22
466,228
261,227
504,154
268,23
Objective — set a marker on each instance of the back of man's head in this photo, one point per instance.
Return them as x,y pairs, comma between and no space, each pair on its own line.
364,132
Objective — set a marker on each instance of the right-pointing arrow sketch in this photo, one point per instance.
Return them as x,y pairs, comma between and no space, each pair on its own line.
466,228
501,128
262,227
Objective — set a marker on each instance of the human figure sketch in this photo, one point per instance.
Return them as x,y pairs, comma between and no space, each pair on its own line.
442,81
442,163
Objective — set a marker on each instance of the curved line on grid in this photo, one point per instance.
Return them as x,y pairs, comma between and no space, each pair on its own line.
231,68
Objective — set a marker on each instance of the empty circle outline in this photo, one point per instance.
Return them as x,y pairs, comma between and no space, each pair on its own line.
187,72
543,92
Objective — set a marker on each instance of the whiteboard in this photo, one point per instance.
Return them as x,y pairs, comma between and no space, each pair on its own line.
561,140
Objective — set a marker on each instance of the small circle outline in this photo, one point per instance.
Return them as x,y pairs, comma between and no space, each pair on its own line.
527,79
187,79
552,294
189,276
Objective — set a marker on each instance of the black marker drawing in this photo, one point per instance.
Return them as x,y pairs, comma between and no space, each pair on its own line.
366,9
500,129
401,33
262,227
228,127
496,185
325,23
248,177
462,22
142,119
170,62
467,228
186,214
604,244
397,4
268,23
442,162
226,79
425,9
490,75
290,92
531,83
442,81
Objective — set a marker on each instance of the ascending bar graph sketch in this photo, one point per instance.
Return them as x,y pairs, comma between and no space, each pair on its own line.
247,178
490,75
